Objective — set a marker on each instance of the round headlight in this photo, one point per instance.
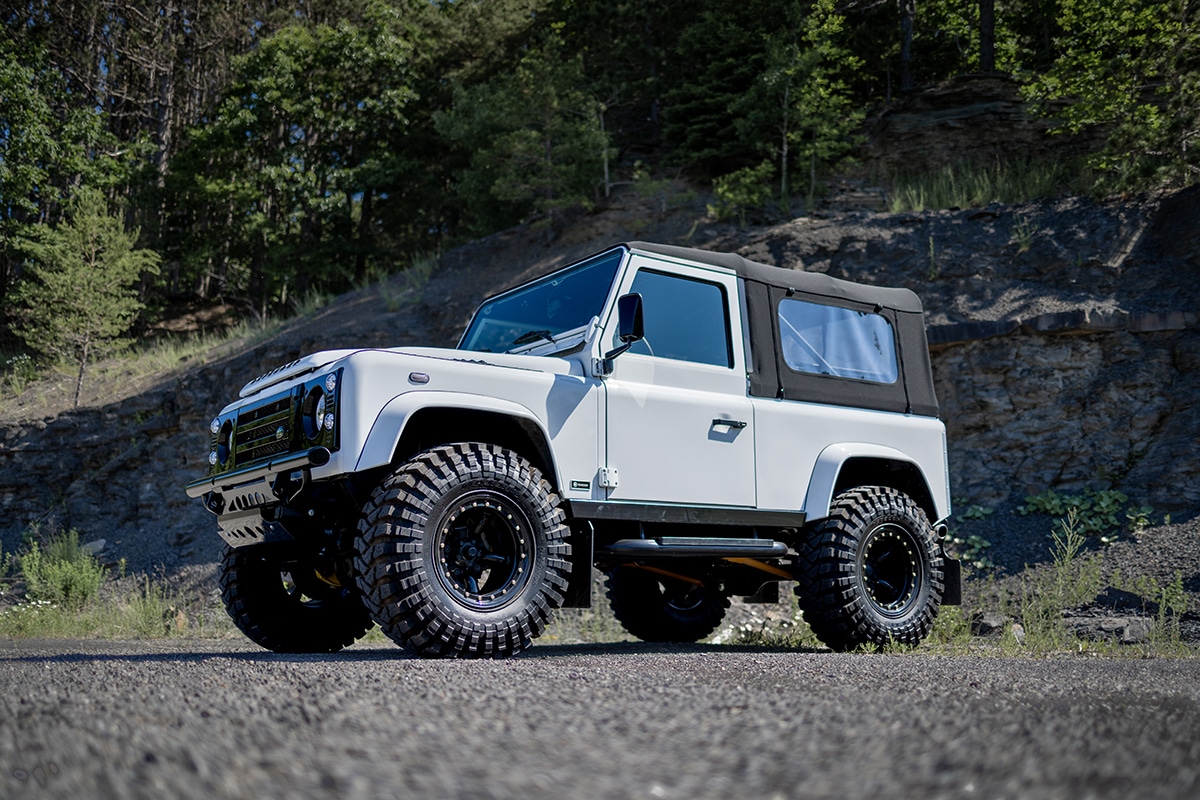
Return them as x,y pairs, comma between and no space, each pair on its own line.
319,413
214,426
313,412
331,382
212,458
329,422
224,442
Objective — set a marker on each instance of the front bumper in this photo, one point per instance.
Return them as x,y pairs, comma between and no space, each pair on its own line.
315,457
239,498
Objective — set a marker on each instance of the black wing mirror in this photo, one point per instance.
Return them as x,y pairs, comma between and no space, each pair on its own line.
630,327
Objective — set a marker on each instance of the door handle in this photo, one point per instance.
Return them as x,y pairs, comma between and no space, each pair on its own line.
732,423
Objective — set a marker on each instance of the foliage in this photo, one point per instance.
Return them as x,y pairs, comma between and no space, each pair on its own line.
1096,512
741,191
1131,70
826,115
1071,580
63,573
659,190
141,609
534,136
21,372
79,300
964,185
269,151
406,289
973,550
296,168
714,65
47,145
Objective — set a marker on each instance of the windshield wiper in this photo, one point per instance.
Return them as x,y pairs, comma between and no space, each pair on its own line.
533,336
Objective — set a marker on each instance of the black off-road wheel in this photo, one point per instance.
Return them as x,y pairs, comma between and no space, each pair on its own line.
659,608
462,552
280,602
870,573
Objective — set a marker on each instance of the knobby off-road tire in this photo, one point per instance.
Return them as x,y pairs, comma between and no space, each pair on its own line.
280,603
871,572
661,609
462,552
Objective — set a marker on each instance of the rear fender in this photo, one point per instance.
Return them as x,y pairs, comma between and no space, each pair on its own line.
824,484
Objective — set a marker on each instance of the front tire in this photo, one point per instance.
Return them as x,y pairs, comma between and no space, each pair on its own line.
663,609
462,552
871,572
280,602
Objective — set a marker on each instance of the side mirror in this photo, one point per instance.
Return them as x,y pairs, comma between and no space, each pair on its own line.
630,329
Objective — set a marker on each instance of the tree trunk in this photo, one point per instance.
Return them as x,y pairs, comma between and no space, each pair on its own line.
365,228
166,96
83,359
783,151
908,11
812,181
987,35
604,154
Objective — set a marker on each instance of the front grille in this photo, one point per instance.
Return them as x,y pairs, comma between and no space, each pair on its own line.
263,431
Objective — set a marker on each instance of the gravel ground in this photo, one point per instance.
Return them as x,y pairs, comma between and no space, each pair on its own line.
215,720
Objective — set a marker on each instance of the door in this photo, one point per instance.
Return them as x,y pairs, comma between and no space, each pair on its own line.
680,425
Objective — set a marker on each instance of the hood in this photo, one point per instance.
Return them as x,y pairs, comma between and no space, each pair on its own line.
300,366
315,361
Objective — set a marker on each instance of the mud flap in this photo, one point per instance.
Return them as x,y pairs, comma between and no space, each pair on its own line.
579,589
952,580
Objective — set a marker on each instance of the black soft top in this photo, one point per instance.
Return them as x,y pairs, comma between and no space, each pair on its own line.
816,283
770,376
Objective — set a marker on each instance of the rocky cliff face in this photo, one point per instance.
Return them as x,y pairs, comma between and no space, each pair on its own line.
1064,336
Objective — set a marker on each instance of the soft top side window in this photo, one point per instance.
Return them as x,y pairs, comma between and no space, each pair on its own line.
841,342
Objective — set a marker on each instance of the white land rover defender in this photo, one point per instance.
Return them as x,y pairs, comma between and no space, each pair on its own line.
695,425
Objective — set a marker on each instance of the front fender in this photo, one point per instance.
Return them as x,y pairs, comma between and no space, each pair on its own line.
823,483
389,425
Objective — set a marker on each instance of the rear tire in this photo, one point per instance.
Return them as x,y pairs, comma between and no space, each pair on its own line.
871,572
658,608
278,601
462,552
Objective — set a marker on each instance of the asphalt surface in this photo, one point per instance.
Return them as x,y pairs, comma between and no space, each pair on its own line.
222,719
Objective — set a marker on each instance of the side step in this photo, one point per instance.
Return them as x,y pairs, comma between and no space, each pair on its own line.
694,547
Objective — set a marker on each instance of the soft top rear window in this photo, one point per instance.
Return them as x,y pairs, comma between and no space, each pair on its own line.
840,342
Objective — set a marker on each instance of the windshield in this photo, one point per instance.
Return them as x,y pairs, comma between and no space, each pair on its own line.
543,310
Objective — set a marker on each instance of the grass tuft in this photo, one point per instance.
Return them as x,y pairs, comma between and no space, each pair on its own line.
965,185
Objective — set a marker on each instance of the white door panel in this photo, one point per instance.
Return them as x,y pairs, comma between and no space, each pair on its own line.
680,425
665,444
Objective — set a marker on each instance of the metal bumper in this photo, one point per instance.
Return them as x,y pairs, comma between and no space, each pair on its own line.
316,457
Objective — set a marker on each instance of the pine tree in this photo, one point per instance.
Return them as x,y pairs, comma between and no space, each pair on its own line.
534,136
78,300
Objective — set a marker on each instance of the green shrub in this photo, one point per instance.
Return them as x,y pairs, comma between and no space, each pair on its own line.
741,191
1097,513
21,372
63,572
